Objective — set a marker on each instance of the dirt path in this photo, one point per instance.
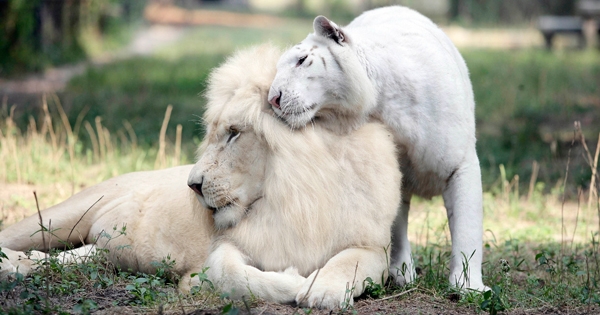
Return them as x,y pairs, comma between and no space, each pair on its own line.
144,43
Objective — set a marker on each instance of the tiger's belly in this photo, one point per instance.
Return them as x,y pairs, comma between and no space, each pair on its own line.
421,182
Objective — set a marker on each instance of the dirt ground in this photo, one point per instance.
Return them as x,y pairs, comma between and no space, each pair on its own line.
116,300
409,304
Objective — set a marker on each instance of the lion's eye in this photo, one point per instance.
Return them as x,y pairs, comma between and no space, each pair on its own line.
301,61
233,133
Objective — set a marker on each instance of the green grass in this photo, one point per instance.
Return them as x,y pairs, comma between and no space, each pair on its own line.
527,102
57,288
138,90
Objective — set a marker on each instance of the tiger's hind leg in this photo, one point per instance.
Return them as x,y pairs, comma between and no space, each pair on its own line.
463,199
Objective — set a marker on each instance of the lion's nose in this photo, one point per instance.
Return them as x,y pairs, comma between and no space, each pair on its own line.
197,187
275,100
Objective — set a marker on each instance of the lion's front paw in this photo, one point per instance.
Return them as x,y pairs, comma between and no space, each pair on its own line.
293,276
324,293
293,272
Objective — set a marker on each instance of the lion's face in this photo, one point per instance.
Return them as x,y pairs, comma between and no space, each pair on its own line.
228,178
308,79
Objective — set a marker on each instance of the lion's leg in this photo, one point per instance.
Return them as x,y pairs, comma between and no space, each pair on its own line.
186,282
402,267
463,201
343,278
78,255
230,272
61,222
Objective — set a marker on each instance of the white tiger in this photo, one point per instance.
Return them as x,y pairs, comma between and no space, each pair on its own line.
394,65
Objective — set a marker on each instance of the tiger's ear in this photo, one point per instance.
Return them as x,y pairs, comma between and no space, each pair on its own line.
326,28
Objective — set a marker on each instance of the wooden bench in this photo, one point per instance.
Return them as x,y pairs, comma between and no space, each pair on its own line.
551,25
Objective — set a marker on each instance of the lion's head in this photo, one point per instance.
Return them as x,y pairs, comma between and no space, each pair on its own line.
229,175
321,77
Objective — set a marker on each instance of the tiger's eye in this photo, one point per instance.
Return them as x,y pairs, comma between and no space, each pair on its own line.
301,61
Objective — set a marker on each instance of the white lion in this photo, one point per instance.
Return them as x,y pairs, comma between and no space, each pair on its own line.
285,215
394,65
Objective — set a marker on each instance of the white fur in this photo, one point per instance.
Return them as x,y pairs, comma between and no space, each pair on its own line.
394,65
282,204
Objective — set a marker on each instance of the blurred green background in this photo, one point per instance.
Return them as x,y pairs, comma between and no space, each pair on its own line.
528,98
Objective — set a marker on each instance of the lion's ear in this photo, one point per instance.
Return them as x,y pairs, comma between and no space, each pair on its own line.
326,28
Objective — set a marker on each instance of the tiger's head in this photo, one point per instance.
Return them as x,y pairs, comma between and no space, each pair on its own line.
322,78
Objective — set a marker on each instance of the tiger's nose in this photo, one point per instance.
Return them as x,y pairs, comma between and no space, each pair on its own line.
197,187
275,100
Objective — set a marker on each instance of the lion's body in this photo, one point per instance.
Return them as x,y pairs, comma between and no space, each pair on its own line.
275,204
395,66
138,201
